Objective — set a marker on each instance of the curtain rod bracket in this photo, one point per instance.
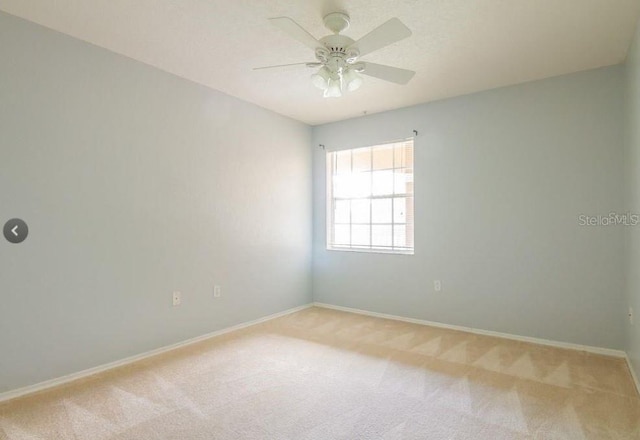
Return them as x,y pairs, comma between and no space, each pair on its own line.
415,132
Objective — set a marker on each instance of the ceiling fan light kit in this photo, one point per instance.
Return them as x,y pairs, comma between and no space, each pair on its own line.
334,90
321,78
338,56
352,80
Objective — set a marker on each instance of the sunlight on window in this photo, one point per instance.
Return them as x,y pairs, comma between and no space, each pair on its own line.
370,198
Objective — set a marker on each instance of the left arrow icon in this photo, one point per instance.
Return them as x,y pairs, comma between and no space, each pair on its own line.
15,230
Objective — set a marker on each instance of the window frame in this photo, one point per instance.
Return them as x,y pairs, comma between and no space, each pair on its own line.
331,158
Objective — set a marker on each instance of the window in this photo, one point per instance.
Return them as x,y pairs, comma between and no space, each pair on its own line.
370,198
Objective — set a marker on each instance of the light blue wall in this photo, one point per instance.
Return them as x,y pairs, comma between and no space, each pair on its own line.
136,183
632,174
501,178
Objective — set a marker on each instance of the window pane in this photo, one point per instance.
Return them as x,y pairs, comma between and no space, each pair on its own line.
409,155
409,214
403,155
381,235
342,211
341,186
400,182
382,183
399,153
367,189
381,210
399,210
362,159
343,162
342,234
403,181
360,185
352,185
360,235
382,157
399,235
360,211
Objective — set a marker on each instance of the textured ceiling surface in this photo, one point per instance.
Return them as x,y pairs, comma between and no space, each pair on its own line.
457,46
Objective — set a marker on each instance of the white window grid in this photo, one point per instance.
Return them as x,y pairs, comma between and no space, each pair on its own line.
406,196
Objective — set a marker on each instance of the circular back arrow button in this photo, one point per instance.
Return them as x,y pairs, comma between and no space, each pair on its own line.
15,230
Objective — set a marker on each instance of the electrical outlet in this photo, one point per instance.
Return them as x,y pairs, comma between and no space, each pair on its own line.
437,285
177,298
631,315
217,291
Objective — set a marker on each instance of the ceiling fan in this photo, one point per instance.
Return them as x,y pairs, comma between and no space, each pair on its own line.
338,56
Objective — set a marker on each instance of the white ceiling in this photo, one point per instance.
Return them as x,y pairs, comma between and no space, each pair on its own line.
457,46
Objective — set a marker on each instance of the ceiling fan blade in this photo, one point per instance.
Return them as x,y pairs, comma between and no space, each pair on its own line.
285,66
384,35
388,73
296,31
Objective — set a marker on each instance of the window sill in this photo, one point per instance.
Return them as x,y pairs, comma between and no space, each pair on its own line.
371,251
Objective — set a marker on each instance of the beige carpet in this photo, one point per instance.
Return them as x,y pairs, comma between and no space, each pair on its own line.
322,375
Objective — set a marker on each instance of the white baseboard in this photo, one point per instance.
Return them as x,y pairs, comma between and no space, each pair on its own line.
633,374
20,392
42,386
596,350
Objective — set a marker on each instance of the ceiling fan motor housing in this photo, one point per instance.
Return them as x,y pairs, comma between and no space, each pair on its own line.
337,46
337,43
